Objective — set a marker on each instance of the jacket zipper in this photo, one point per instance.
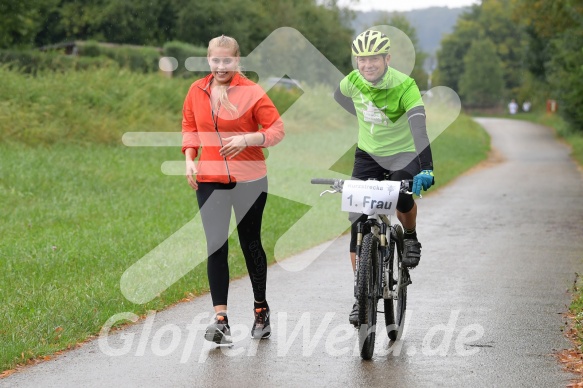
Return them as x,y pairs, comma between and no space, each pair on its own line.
215,121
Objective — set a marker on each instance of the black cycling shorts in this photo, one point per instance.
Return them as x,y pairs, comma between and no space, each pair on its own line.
394,168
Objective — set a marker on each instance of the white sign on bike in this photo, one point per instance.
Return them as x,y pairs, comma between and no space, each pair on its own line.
370,197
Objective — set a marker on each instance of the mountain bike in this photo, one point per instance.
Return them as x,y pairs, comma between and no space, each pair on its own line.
380,273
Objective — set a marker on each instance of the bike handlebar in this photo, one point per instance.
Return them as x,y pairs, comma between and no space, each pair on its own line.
324,181
337,184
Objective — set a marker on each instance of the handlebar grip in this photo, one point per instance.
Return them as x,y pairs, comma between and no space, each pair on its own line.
323,181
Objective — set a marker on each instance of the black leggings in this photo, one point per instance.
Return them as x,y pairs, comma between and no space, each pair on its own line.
215,201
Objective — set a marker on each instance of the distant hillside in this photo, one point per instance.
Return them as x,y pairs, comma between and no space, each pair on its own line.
430,23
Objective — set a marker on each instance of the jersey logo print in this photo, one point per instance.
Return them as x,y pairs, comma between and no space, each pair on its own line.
372,114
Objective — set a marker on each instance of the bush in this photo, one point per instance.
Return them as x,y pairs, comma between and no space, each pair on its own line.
140,59
33,61
565,75
181,51
136,58
89,49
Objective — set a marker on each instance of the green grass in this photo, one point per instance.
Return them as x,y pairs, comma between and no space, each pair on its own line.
78,208
74,219
50,108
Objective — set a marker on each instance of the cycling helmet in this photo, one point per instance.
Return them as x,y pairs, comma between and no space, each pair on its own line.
371,43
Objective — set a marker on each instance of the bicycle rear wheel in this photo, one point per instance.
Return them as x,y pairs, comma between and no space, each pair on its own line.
398,280
367,298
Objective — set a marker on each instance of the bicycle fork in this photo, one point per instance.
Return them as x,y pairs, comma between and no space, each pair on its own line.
380,265
379,230
357,261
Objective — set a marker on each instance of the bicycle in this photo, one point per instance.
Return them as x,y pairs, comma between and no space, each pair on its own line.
380,273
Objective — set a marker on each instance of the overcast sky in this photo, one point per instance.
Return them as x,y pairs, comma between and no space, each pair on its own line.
405,5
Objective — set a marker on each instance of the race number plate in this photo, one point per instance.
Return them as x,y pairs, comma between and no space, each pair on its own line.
370,197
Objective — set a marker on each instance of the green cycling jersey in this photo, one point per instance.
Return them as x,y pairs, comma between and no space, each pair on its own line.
383,128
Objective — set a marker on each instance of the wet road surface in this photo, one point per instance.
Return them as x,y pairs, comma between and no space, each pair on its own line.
501,246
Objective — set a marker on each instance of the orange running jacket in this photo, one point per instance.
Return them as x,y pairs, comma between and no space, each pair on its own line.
202,128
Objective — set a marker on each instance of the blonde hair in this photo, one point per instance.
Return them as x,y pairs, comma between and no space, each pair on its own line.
229,43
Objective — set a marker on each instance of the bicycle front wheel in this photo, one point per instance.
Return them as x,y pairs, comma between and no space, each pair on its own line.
367,298
397,282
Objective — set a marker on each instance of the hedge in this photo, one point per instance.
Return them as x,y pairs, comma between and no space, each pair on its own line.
33,61
181,51
136,58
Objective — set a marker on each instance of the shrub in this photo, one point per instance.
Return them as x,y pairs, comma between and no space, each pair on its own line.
142,59
32,61
181,51
89,49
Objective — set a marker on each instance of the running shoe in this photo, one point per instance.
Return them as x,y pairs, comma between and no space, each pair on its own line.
261,327
219,331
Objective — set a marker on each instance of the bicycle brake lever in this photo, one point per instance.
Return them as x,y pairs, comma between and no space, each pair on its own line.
328,191
411,193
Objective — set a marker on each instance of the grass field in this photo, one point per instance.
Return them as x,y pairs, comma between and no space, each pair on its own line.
78,208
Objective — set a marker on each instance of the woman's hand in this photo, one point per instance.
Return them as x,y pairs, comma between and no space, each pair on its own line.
232,146
191,172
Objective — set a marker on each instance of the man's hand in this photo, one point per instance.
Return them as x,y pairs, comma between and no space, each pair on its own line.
423,180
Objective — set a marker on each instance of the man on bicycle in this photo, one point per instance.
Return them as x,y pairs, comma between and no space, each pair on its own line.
392,135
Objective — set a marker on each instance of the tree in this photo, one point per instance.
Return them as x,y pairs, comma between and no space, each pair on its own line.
199,22
324,25
402,23
22,21
508,38
116,21
554,55
565,74
492,20
72,20
482,83
135,22
327,28
154,22
455,46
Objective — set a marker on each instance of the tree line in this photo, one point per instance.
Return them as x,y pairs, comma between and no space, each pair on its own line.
500,49
34,23
521,49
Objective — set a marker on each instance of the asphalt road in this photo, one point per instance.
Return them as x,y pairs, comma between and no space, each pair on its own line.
501,246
